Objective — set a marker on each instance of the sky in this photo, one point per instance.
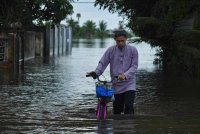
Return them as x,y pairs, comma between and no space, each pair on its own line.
89,12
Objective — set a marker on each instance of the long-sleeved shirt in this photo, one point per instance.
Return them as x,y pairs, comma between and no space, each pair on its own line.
122,61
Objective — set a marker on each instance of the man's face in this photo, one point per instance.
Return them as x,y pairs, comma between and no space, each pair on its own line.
121,41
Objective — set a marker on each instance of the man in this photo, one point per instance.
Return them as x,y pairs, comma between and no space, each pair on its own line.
123,60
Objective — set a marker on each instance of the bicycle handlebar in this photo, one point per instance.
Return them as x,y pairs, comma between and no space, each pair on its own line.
89,75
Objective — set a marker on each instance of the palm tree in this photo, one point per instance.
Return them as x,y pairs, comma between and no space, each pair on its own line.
89,28
102,29
74,25
78,15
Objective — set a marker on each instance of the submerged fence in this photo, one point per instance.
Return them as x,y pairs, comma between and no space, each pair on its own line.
58,40
20,45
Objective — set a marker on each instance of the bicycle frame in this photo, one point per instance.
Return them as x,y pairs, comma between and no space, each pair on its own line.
101,109
104,92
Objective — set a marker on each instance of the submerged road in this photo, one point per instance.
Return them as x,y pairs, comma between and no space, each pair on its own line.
55,97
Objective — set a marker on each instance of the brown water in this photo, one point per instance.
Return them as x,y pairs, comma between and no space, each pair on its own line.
55,97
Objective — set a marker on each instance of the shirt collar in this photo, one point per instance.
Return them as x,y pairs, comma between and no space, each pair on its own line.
121,48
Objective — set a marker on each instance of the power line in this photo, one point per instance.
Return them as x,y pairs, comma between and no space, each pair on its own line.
83,2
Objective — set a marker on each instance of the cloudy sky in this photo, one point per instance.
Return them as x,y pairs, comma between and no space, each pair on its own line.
89,12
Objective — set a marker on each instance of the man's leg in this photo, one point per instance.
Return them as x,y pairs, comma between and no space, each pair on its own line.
118,104
129,97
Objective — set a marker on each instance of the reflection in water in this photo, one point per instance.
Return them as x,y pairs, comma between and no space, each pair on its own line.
105,127
75,43
8,76
89,43
54,97
92,43
102,43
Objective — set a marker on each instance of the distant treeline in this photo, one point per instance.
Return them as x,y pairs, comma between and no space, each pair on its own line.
90,29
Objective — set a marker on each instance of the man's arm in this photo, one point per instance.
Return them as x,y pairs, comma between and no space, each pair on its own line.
134,65
103,63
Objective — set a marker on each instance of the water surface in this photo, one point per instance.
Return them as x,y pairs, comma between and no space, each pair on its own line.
55,97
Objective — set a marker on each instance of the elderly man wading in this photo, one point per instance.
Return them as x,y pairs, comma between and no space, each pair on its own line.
123,60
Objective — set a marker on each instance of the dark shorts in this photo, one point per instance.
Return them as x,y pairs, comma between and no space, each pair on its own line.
124,103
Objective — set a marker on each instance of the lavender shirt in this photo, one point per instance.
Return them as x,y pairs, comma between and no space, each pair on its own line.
122,61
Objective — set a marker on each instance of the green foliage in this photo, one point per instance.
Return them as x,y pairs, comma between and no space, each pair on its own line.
89,27
101,31
26,11
75,27
129,8
78,15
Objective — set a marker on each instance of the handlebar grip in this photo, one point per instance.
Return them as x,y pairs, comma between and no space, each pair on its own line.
88,75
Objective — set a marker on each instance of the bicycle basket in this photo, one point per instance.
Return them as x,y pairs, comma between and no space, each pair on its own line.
104,90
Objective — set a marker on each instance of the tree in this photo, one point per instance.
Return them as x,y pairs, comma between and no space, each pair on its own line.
171,25
78,15
26,11
75,27
102,29
89,28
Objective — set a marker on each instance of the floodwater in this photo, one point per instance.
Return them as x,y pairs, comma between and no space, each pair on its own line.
55,97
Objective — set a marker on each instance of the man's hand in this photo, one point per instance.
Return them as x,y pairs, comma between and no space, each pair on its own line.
93,74
121,77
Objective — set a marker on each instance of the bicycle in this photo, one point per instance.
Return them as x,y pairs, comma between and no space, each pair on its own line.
104,93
